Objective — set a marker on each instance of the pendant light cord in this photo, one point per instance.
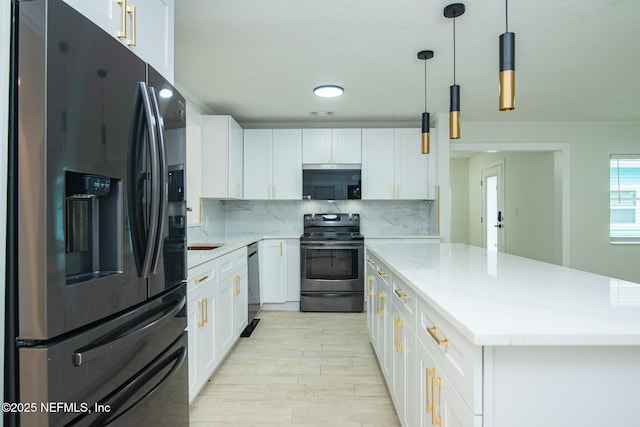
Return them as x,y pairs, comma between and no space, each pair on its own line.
425,85
454,50
506,15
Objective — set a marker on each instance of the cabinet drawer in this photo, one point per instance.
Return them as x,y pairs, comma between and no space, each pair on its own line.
229,264
198,276
460,360
404,298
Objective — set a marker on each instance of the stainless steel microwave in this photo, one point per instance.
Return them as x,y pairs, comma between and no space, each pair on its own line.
331,182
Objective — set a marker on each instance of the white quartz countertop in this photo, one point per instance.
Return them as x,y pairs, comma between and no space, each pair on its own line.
228,243
500,299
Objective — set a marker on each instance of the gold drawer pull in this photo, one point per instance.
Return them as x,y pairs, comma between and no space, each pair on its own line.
397,323
433,331
369,280
382,273
201,279
370,261
401,294
201,322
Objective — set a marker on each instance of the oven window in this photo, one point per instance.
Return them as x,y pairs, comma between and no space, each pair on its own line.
331,264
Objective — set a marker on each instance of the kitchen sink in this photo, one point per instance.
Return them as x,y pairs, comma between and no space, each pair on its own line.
204,246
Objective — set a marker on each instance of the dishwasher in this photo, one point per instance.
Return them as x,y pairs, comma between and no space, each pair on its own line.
253,279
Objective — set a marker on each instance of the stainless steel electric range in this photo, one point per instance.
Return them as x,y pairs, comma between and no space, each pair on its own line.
332,263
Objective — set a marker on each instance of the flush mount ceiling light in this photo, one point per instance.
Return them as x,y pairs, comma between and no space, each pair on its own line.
507,98
328,91
453,11
424,55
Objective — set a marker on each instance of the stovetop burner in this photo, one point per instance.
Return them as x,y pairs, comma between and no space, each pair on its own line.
331,226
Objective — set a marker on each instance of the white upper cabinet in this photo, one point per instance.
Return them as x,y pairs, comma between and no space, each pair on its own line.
145,26
194,164
221,157
393,166
331,146
273,164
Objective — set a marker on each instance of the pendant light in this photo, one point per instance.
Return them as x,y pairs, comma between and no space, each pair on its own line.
453,11
507,98
426,145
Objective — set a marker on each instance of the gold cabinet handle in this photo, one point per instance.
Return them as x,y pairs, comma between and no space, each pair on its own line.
369,280
433,331
380,296
202,279
370,261
401,294
281,249
382,273
189,209
430,374
397,323
132,11
123,33
435,420
201,321
206,311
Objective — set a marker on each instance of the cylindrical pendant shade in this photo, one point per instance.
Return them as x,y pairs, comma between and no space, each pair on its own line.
507,97
454,112
426,143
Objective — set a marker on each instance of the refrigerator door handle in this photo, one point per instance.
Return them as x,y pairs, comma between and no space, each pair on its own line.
162,179
127,334
143,230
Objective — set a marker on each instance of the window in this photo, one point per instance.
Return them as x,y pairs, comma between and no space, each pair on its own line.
624,199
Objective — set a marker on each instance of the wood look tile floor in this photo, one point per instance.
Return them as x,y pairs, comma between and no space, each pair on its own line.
298,369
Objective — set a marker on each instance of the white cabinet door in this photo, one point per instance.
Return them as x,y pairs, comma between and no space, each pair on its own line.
378,164
439,403
399,353
240,301
412,167
107,14
293,269
154,25
371,300
287,164
221,157
273,271
224,316
206,335
316,146
258,164
393,166
194,165
346,145
145,26
331,146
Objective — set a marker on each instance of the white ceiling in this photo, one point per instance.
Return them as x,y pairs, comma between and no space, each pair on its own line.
259,60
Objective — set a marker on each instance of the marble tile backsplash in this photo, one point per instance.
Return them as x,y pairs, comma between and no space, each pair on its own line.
378,218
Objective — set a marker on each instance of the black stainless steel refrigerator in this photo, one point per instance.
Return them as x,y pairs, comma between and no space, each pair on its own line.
96,283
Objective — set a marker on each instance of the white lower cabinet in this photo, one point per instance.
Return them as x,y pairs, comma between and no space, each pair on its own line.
439,402
419,382
217,313
231,301
201,291
279,264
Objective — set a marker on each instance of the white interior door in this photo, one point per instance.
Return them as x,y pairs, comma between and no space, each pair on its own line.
493,218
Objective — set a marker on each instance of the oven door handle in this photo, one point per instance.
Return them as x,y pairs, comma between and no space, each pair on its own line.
332,245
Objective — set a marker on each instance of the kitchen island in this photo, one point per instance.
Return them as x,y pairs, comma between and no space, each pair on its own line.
471,337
